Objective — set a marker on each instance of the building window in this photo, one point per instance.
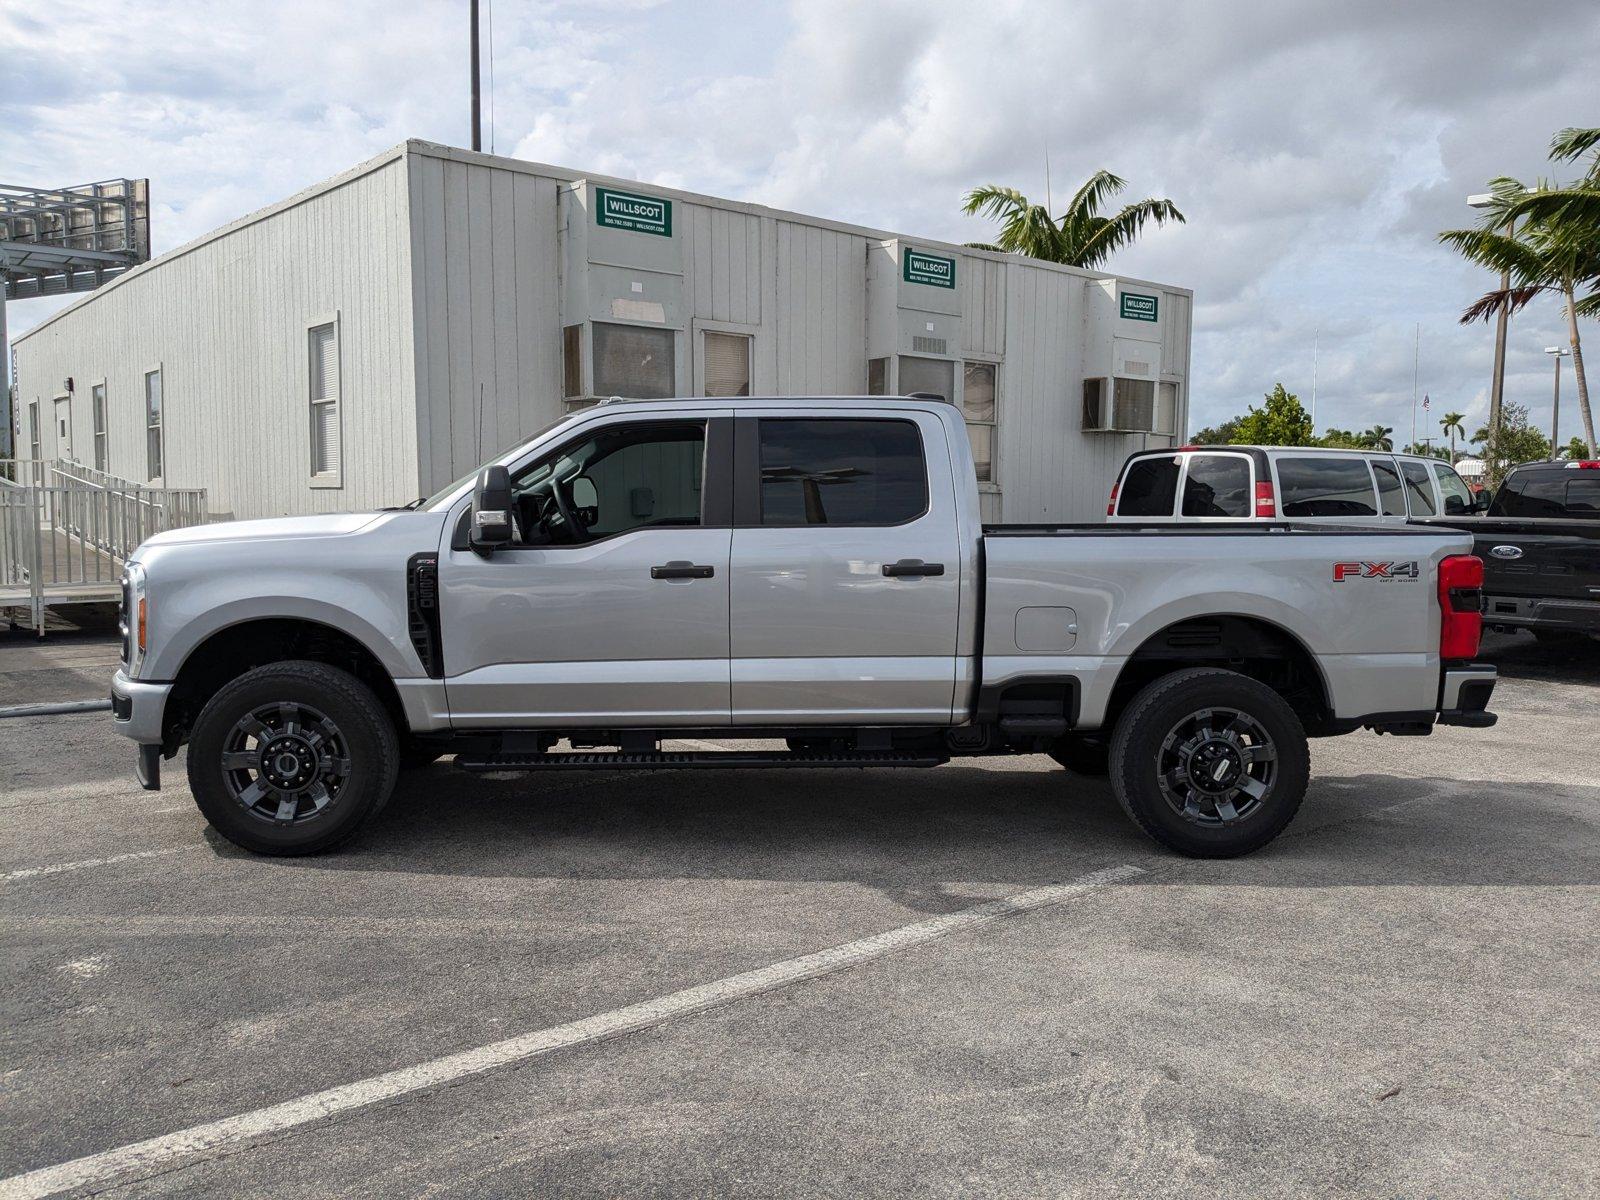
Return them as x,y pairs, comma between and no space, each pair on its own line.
33,429
572,361
933,376
634,362
152,424
727,364
97,404
325,443
978,406
878,377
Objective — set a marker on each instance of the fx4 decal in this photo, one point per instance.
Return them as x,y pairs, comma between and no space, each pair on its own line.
1376,570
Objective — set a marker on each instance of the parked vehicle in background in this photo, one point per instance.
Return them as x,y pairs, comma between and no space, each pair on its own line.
1272,483
1540,545
810,571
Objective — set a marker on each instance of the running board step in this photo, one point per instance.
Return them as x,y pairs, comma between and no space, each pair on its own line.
692,760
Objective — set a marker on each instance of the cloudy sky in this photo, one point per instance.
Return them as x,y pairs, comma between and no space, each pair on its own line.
1316,149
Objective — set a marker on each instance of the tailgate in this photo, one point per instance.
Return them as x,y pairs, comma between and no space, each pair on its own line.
1546,559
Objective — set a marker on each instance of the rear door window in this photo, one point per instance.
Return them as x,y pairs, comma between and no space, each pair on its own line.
1217,485
1418,490
842,471
1149,487
1457,496
1389,494
1326,487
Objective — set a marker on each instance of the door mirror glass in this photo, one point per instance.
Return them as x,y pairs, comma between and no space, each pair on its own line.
493,518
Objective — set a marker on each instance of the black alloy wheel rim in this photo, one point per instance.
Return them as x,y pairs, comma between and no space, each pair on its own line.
1216,767
285,763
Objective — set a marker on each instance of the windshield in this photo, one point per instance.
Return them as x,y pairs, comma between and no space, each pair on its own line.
439,498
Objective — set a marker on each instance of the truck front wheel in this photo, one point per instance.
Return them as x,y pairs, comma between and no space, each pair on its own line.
292,758
1210,763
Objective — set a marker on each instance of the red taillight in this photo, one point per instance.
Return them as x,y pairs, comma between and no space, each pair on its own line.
1111,504
1266,502
1585,465
1460,606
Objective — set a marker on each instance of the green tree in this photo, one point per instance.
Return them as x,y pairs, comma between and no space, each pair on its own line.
1225,434
1516,441
1280,421
1451,424
1341,439
1575,449
1555,248
1080,236
1376,438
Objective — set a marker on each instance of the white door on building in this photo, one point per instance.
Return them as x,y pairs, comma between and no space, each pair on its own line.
64,427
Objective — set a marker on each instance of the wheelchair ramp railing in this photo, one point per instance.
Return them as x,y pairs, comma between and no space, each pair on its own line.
67,531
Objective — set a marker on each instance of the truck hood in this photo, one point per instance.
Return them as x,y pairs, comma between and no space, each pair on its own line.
271,528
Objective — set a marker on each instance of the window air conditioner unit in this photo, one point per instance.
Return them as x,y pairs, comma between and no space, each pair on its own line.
1119,405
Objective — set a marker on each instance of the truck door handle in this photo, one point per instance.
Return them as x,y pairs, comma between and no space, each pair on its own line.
682,569
912,566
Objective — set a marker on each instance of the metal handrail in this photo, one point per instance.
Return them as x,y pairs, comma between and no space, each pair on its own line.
67,531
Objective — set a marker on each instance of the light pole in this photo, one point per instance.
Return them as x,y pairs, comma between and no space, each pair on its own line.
1498,383
1558,353
477,118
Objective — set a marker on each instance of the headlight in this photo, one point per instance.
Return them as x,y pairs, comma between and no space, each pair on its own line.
135,618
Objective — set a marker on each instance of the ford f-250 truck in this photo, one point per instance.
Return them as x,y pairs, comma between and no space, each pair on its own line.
808,572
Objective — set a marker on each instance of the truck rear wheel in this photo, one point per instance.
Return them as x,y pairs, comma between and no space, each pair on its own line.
1210,763
292,758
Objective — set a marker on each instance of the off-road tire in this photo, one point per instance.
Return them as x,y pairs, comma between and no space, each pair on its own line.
368,735
1157,712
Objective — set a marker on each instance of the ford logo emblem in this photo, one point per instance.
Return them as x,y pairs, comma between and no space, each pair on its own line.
1507,552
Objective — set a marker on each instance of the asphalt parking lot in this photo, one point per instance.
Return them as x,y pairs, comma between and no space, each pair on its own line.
1397,998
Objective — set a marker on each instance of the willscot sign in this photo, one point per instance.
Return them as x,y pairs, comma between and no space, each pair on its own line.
628,210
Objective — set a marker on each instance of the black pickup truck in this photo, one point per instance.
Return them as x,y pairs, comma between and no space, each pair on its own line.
1540,545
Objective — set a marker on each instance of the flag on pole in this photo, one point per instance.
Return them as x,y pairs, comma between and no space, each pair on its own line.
1424,402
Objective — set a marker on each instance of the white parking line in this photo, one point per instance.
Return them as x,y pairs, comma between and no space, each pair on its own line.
161,1151
58,868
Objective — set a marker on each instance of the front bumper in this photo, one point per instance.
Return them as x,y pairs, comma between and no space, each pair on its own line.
1464,693
137,708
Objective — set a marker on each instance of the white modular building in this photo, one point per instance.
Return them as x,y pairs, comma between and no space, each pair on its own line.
372,338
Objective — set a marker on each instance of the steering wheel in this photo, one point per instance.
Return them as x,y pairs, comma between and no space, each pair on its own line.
567,521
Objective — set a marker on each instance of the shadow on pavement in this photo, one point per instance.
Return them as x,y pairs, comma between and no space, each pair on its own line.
1565,660
910,833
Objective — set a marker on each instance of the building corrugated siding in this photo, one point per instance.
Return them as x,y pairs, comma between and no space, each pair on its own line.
488,315
227,322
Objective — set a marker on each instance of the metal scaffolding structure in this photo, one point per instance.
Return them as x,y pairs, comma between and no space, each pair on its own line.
59,240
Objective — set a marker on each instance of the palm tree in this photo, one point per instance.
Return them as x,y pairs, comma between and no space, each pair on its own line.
1557,249
1377,438
1451,424
1080,236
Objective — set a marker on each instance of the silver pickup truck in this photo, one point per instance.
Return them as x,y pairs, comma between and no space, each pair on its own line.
808,575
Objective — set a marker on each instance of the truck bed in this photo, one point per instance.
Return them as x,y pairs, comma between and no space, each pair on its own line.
1210,529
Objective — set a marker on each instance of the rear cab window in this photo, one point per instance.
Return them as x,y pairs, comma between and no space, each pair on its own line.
1326,486
1566,492
1218,486
1149,486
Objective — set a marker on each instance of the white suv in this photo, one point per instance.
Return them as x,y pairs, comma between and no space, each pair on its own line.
1286,483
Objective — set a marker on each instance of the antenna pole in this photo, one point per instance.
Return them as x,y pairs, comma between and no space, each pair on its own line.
477,100
1416,360
1316,340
